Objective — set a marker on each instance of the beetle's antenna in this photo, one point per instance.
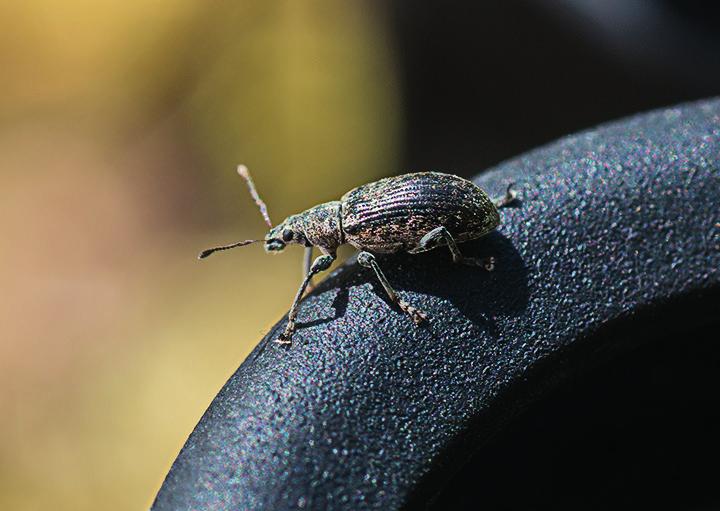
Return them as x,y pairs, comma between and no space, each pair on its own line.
209,251
245,174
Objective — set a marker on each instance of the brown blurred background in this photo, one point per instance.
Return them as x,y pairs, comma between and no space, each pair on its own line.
121,125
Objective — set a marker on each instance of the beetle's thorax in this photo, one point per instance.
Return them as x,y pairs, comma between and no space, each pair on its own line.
322,225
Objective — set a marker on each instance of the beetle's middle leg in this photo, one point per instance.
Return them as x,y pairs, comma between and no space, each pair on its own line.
322,263
367,260
431,239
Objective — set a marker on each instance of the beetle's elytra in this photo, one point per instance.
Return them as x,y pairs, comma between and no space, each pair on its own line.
408,213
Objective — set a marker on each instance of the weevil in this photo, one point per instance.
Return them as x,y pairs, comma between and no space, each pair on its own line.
410,213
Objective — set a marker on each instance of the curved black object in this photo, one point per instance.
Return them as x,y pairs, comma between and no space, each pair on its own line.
613,254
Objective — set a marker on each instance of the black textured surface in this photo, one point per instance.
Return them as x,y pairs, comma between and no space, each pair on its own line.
618,226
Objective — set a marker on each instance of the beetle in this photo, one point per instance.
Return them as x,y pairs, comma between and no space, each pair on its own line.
409,213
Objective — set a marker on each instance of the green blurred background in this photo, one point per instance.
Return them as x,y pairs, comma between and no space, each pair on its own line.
121,124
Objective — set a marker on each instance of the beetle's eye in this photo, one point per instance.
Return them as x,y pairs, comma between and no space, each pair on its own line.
287,235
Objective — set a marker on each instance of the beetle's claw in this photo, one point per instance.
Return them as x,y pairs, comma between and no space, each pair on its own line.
489,263
416,315
510,197
284,340
419,317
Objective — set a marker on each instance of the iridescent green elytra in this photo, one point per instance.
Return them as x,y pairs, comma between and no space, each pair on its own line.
409,213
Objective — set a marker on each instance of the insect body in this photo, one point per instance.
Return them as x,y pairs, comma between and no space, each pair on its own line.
409,213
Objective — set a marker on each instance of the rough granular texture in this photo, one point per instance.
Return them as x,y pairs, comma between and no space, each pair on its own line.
368,411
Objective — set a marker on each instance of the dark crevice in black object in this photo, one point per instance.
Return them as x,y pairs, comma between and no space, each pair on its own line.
579,442
637,432
616,243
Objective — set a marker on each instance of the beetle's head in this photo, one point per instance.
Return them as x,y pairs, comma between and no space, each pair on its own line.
291,230
285,233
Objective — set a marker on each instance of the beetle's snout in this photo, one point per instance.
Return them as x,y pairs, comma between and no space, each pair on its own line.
274,245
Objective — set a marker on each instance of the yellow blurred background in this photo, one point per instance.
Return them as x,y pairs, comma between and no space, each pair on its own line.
121,125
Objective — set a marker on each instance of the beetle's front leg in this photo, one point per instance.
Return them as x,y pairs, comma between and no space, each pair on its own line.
431,240
322,263
306,265
367,260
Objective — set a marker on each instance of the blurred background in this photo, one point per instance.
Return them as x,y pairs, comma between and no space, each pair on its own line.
121,124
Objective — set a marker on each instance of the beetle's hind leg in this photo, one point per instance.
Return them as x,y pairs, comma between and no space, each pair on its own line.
509,198
367,260
434,237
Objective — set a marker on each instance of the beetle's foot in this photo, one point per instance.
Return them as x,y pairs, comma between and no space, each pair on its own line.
416,315
285,339
486,262
510,197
